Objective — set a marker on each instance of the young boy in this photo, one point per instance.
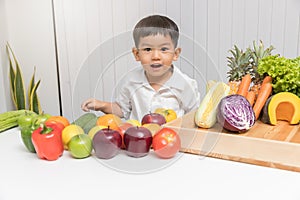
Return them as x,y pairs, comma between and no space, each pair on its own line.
158,83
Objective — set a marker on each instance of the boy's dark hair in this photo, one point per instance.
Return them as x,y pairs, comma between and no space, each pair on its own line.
153,25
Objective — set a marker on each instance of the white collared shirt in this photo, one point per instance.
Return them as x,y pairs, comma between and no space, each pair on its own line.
136,97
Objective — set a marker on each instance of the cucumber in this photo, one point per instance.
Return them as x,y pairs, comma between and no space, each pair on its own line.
86,121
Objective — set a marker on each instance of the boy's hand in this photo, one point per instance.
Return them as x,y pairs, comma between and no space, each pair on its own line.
90,104
105,107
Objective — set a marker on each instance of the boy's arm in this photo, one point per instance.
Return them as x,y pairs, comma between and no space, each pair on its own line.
105,107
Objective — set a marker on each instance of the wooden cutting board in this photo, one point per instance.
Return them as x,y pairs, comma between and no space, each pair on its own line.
265,145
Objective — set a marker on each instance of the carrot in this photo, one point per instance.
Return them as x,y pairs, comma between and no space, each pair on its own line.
251,97
267,79
263,94
244,85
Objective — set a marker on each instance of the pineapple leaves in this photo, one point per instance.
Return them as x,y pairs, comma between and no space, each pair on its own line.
17,88
245,62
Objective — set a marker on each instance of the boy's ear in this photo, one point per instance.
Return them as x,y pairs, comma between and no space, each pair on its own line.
177,54
135,52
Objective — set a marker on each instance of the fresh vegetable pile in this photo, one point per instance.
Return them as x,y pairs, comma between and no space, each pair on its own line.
285,73
261,86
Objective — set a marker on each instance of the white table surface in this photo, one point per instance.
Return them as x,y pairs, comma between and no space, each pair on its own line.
24,176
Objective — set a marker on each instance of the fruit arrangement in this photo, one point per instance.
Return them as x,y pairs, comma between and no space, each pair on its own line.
261,86
49,136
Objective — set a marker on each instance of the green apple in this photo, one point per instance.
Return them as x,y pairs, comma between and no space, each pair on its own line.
26,120
80,146
39,119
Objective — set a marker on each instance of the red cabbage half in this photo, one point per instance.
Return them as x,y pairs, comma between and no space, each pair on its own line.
235,113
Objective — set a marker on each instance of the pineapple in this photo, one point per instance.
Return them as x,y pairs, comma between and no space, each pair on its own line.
239,64
257,53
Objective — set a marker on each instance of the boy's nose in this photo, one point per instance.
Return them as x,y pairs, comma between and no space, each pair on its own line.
155,54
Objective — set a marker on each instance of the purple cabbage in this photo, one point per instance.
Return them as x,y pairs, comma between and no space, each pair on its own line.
235,113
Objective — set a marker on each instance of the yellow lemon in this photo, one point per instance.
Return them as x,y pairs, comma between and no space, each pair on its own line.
134,122
94,130
153,128
70,131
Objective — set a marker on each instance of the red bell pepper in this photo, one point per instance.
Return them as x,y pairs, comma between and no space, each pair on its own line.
47,141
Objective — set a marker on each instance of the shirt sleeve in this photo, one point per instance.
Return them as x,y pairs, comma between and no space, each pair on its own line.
191,96
123,100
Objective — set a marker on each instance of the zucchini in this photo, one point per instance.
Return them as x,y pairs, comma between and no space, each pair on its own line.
86,121
9,119
89,125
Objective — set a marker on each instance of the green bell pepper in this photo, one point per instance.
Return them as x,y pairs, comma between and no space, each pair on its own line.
26,133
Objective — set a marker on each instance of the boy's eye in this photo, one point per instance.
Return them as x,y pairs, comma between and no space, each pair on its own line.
163,49
147,49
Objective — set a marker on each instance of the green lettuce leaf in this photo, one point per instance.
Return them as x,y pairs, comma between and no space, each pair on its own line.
284,71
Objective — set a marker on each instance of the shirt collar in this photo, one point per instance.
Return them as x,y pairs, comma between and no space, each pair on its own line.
176,80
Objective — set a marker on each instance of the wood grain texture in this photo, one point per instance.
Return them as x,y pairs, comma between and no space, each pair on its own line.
265,145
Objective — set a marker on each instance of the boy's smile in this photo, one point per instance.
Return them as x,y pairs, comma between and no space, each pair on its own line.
156,54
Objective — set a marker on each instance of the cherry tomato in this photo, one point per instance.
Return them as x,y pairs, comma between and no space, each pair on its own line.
166,143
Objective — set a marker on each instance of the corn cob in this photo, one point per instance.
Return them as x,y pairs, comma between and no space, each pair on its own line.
9,119
206,114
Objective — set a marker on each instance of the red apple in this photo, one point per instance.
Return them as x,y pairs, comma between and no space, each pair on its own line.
122,128
107,143
155,118
137,141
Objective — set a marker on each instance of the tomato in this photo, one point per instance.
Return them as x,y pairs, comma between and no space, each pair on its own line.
169,114
59,119
110,120
166,143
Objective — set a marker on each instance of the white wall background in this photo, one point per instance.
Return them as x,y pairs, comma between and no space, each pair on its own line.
28,27
4,87
94,54
94,39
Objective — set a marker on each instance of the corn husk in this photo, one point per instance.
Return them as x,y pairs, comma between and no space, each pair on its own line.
206,114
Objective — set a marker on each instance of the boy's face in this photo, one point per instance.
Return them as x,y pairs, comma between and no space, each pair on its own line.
156,54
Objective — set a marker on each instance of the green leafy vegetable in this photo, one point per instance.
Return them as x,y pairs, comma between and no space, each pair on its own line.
285,73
